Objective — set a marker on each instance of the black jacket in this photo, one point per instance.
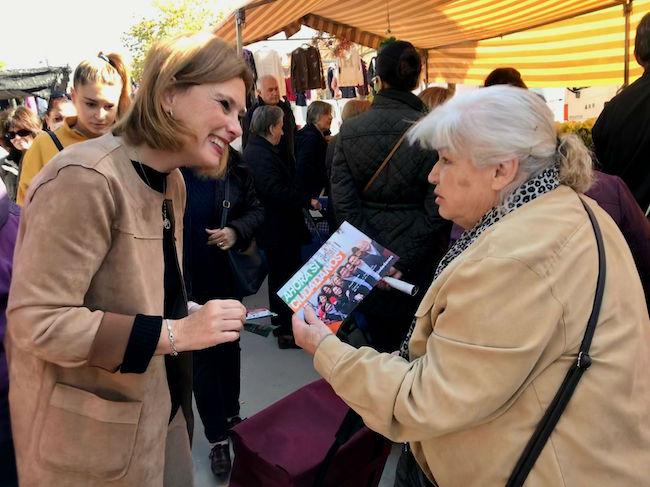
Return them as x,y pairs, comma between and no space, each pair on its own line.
399,210
278,189
311,148
287,142
622,138
207,271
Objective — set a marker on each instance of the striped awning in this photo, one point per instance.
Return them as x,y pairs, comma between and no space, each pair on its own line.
551,42
583,51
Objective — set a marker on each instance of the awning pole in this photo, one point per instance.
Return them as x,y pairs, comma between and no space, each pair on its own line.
426,66
240,20
627,10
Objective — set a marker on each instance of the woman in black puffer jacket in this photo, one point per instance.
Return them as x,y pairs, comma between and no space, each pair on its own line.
398,209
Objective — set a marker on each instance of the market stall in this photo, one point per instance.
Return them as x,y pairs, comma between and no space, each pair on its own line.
551,42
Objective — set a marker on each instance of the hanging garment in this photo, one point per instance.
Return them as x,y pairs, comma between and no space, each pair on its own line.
363,89
301,99
291,95
306,69
269,62
250,62
350,71
330,78
348,92
315,69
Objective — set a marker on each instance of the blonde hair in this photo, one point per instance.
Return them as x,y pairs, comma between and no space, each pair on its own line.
354,108
495,124
434,96
177,63
106,69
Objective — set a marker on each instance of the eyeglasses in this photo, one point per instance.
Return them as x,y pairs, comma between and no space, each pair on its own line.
18,133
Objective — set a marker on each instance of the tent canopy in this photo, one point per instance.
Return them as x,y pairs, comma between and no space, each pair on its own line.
20,83
552,42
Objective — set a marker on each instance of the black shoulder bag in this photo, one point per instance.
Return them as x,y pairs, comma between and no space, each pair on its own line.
55,140
556,408
249,268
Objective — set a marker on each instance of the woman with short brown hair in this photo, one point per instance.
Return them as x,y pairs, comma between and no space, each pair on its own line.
98,316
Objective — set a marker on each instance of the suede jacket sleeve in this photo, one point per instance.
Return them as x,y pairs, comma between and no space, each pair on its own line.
65,234
478,358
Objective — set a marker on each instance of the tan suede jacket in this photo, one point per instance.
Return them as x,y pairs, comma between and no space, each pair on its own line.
495,336
89,257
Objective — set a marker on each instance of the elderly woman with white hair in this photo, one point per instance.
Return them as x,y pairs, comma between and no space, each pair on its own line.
504,320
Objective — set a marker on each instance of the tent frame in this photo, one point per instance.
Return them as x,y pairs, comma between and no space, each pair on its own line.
240,21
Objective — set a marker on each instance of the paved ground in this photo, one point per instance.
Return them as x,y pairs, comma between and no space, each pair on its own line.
268,374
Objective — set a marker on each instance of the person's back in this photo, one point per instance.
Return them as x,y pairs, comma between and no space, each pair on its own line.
398,209
622,132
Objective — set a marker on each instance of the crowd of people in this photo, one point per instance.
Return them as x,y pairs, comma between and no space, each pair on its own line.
121,299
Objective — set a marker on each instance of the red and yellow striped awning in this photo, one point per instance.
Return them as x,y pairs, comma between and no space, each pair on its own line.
551,42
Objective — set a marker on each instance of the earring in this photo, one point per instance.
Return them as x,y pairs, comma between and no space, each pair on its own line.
170,113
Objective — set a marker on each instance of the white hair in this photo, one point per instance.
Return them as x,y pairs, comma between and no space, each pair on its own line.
495,124
262,79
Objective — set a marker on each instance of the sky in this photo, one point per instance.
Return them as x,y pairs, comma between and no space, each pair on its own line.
60,32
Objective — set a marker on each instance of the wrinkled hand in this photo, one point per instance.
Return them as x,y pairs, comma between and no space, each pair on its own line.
392,272
308,334
217,321
315,204
224,238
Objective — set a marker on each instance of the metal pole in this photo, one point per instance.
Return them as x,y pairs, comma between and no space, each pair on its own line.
627,10
426,67
240,20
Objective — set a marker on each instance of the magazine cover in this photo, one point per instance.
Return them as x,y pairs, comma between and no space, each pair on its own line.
337,278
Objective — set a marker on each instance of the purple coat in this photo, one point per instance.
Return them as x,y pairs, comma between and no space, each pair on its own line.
613,195
9,215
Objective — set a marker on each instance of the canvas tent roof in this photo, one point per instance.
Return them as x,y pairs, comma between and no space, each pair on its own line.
20,83
552,42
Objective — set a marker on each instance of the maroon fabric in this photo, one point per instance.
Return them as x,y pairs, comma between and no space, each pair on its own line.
283,445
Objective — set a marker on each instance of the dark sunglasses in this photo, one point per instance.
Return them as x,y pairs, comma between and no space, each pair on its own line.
18,133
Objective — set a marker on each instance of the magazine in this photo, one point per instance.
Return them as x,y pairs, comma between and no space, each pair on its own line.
339,275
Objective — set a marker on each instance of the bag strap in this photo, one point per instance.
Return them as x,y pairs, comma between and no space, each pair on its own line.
351,423
56,140
226,202
385,163
556,408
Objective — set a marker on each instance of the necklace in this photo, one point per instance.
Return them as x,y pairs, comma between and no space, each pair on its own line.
167,224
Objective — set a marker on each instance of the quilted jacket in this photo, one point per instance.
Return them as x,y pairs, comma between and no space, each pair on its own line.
398,210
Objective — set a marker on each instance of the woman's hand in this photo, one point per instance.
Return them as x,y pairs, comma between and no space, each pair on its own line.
309,334
224,238
315,204
217,321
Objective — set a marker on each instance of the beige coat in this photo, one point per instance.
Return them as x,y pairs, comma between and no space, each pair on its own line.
495,336
88,258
